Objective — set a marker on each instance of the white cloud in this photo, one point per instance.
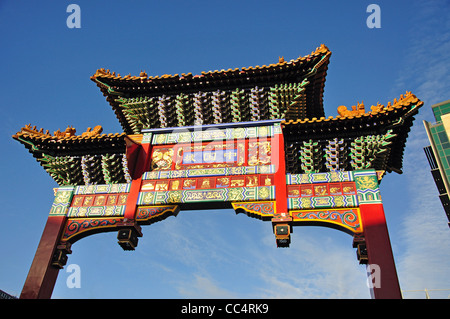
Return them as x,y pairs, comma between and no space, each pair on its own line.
427,63
232,256
201,287
317,265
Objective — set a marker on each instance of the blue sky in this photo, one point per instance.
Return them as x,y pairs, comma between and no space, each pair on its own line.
44,81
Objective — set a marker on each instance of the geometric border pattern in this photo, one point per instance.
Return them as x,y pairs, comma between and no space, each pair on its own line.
215,134
323,202
207,195
219,171
103,189
327,177
96,211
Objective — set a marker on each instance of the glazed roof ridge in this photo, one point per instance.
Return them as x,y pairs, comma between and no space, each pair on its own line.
67,135
404,101
143,76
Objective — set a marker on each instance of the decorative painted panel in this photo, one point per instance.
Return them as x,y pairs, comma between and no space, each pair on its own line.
326,177
367,186
259,152
262,210
207,182
96,211
321,189
96,205
323,202
162,158
322,195
63,198
207,195
81,226
103,189
347,219
147,138
152,214
212,165
209,155
218,171
214,134
99,200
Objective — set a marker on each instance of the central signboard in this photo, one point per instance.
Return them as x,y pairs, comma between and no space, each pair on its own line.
216,164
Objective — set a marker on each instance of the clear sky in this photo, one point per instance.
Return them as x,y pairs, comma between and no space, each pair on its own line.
45,69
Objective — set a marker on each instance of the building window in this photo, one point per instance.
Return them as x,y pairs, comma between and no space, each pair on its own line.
443,138
430,156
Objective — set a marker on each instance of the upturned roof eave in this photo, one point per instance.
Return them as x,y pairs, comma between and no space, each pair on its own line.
313,66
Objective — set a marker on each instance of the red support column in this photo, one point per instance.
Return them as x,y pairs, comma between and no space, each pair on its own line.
381,265
280,174
281,221
42,276
138,167
138,156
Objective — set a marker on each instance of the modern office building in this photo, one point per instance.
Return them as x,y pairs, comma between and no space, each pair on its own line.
438,153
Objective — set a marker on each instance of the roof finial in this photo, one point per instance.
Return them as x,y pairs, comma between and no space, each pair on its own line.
70,131
97,130
143,74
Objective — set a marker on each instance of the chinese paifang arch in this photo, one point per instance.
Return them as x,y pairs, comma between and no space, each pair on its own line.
253,139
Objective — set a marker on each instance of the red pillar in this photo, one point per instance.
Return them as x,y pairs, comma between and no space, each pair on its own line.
139,165
280,176
281,221
382,269
42,276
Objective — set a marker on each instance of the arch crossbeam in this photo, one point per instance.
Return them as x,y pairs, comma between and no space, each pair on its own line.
236,167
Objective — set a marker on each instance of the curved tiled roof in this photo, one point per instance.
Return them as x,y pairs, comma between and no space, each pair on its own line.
406,100
53,144
309,70
394,119
89,158
288,91
230,74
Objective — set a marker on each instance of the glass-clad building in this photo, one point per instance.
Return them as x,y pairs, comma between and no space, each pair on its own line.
438,152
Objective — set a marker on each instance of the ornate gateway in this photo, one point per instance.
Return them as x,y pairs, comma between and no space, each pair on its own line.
252,139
